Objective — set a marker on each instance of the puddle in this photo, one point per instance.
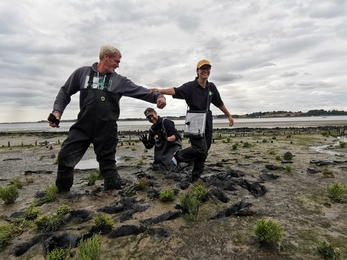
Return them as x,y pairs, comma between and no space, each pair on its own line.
90,164
325,148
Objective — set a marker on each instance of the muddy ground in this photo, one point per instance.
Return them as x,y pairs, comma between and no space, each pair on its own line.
297,200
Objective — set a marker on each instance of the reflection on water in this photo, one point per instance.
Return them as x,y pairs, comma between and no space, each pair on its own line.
90,164
325,148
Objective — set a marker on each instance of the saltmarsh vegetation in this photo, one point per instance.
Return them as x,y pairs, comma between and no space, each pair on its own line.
55,222
167,195
103,224
58,254
327,173
328,251
191,201
337,192
16,182
6,233
288,156
143,184
288,168
268,231
89,248
51,192
92,178
9,194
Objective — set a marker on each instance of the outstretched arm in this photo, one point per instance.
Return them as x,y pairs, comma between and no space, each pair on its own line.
165,91
226,112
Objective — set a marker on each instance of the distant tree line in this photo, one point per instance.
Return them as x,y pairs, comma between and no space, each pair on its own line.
280,113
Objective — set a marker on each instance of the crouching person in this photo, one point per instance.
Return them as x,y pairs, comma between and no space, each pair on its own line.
164,137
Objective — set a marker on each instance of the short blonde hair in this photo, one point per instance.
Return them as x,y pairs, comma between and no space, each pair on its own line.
109,50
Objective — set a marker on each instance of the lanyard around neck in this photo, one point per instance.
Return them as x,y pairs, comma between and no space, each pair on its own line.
91,77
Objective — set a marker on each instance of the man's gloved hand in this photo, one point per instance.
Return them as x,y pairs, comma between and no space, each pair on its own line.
144,139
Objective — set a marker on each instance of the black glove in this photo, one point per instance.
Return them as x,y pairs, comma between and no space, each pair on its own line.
51,118
144,139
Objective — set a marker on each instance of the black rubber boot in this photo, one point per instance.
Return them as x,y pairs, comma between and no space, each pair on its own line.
64,184
112,183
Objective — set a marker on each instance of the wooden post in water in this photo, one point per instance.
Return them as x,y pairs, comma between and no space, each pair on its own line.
8,144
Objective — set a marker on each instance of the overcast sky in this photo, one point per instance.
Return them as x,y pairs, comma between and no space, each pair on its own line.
266,55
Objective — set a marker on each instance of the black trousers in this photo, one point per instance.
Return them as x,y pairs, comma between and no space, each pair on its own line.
197,152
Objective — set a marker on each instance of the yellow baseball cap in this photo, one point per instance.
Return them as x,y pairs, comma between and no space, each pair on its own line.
202,63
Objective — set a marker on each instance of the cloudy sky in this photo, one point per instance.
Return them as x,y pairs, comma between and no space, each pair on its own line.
266,55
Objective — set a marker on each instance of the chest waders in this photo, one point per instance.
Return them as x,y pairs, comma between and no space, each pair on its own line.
96,124
164,150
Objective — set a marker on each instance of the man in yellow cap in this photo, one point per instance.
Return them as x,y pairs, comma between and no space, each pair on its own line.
198,94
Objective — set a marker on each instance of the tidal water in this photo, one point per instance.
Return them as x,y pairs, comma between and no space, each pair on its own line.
141,125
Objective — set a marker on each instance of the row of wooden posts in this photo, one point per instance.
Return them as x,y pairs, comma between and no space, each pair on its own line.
341,131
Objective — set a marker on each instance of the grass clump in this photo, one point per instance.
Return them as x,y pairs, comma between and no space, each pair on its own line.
337,192
200,191
143,184
328,251
31,213
272,152
58,254
92,178
278,157
268,231
9,194
343,144
288,156
141,162
51,192
167,195
103,224
234,146
6,233
247,145
325,133
288,168
191,201
29,180
16,182
53,223
327,173
89,249
227,167
190,206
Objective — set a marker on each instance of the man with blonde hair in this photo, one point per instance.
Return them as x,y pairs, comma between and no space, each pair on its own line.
100,89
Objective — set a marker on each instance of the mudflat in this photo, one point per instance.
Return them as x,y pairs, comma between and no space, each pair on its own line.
295,197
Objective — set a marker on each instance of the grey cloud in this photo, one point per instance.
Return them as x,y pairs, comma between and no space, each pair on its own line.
315,84
228,77
163,83
266,64
289,74
328,9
